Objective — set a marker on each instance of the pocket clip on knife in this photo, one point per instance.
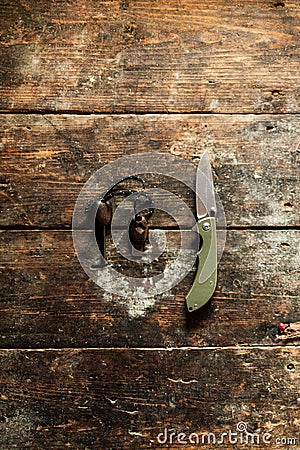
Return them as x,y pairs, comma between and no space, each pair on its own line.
206,275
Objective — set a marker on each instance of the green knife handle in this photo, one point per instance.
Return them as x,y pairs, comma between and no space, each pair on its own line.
206,276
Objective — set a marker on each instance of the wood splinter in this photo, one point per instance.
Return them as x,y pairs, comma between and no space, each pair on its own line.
288,332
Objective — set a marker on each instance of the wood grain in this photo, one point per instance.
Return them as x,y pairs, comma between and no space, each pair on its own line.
45,161
82,84
117,398
145,56
48,301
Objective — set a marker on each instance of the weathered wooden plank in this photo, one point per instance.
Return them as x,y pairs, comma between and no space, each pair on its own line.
125,398
145,56
45,161
48,301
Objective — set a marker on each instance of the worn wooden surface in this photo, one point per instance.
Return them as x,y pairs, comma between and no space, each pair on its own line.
254,158
251,298
81,84
141,56
69,398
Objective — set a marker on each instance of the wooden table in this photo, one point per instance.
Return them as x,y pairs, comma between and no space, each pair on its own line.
86,82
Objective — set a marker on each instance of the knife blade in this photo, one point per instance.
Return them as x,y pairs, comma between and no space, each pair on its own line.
206,275
205,194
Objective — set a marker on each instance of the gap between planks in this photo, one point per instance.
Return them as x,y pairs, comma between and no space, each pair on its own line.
165,228
141,113
154,349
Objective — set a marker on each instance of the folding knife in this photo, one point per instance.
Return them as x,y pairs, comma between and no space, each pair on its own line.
206,275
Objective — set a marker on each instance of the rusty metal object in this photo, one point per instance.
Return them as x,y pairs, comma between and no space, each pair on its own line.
104,207
104,213
103,219
139,232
